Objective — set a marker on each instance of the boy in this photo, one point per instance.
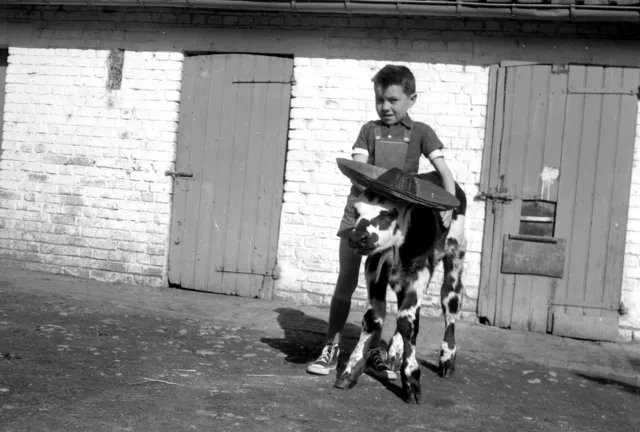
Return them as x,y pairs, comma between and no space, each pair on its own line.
393,141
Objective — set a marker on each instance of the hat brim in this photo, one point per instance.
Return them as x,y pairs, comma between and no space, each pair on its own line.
428,194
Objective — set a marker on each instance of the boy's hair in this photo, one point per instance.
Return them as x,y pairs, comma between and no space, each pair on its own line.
396,75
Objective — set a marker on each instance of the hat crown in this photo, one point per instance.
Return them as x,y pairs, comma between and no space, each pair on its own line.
400,179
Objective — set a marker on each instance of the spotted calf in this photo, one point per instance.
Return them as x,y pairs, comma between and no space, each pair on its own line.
403,245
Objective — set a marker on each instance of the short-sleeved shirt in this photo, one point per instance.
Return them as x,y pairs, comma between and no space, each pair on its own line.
424,141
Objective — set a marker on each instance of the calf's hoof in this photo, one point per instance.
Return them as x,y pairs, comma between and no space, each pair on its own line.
413,395
447,368
411,387
345,382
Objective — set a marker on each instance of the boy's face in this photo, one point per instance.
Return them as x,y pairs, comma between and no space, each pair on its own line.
392,103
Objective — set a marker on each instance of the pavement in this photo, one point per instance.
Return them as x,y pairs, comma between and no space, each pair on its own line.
80,355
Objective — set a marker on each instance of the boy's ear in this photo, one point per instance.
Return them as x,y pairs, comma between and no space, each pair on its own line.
413,98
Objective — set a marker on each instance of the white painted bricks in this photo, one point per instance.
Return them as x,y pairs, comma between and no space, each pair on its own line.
83,189
630,296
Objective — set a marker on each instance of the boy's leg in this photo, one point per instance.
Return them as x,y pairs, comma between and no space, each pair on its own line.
378,361
345,286
339,309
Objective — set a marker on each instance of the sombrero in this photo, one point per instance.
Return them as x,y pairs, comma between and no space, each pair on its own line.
398,184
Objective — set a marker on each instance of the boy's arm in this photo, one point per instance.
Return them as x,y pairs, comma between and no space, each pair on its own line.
437,160
359,157
360,150
432,149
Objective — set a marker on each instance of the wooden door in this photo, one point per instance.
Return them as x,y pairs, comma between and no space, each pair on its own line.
557,176
229,174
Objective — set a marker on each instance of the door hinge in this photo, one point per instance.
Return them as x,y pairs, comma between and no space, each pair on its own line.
585,305
175,174
275,274
259,81
603,91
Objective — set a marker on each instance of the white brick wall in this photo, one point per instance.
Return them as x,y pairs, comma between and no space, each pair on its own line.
630,321
83,187
332,99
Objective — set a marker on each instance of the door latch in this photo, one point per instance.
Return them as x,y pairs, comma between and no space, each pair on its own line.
175,174
499,197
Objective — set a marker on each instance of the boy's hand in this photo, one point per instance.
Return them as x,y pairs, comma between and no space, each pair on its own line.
446,217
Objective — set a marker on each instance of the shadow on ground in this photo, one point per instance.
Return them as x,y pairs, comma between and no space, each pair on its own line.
635,363
429,366
629,388
304,336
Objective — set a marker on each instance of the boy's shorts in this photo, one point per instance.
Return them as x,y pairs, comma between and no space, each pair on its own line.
349,216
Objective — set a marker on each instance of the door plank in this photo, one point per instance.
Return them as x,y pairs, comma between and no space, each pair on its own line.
280,95
236,181
535,145
586,327
552,159
520,129
553,133
589,131
603,188
541,288
196,151
502,287
565,211
179,208
224,167
491,169
257,161
584,204
207,231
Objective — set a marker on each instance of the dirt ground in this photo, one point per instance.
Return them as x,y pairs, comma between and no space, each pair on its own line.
84,356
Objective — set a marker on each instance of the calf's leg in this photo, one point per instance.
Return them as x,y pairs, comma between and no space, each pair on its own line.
371,322
451,301
396,350
409,299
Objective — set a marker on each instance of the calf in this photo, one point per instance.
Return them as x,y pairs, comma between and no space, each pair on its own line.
404,244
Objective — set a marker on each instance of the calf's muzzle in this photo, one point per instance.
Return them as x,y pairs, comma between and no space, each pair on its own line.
362,241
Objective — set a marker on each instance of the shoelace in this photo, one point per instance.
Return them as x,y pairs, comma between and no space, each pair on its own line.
327,353
377,360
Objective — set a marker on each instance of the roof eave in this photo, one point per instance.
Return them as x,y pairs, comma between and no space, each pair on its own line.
437,8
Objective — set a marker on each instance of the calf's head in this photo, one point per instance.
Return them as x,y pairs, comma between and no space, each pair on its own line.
379,224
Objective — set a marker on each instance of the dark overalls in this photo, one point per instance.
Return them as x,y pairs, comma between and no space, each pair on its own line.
388,153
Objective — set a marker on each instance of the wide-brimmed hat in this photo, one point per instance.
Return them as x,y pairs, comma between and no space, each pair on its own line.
397,184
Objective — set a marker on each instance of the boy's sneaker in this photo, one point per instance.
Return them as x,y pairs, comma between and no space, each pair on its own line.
327,361
377,366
